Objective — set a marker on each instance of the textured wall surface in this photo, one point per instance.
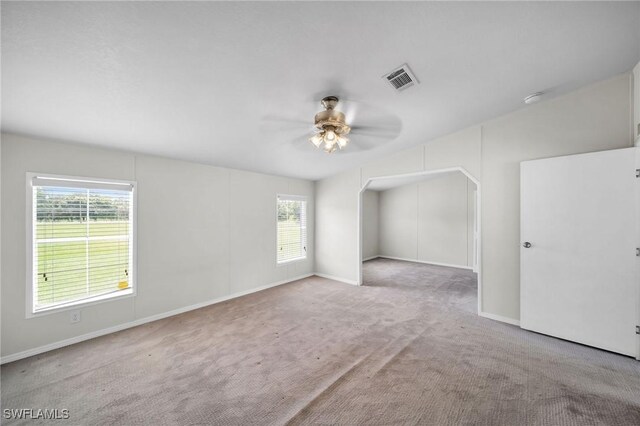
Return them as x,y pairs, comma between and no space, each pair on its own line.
430,221
203,233
370,224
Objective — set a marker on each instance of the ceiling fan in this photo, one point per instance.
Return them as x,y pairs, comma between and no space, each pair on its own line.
343,125
332,129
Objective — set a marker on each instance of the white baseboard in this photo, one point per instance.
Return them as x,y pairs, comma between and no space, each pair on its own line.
135,323
448,265
331,277
370,258
500,318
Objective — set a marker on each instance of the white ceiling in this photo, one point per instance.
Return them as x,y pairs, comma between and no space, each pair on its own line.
204,81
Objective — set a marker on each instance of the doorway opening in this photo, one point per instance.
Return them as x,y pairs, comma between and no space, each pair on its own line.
430,217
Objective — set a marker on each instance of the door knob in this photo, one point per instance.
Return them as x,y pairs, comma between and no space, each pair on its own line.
526,244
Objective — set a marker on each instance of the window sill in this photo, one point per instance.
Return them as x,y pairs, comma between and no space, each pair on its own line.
290,261
81,303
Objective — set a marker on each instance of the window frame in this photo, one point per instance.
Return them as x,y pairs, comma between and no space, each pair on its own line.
306,212
30,245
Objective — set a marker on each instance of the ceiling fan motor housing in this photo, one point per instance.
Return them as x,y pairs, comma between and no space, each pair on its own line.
330,119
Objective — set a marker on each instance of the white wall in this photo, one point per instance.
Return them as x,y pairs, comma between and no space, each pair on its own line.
399,222
429,221
203,233
443,220
597,117
370,224
336,220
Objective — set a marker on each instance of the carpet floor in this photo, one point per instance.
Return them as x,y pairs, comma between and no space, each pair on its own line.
407,348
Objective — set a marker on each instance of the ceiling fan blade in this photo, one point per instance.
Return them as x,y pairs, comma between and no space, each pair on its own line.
367,117
301,142
370,128
284,120
359,146
285,126
375,132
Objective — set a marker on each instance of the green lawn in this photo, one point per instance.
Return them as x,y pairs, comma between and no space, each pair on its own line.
79,229
107,260
289,244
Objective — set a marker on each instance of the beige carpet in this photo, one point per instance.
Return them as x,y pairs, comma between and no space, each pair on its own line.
406,349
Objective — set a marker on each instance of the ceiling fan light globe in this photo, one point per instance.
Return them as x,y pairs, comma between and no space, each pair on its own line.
329,135
342,141
329,148
330,145
316,140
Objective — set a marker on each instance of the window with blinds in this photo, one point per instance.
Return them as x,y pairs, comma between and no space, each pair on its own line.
292,228
82,241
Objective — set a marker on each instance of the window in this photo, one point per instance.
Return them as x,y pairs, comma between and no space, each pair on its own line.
292,228
82,239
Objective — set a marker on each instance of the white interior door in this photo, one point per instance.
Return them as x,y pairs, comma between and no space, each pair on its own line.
580,277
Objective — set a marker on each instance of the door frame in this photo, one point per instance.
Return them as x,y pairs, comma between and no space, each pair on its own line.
477,214
637,194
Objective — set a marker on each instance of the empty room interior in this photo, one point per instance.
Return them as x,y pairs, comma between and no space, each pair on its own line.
335,213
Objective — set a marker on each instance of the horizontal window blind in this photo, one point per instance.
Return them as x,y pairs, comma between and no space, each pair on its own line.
292,228
82,241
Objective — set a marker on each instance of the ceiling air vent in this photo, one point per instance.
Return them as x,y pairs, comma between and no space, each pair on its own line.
401,78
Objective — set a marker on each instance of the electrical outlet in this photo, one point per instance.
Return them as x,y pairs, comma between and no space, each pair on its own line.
75,316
